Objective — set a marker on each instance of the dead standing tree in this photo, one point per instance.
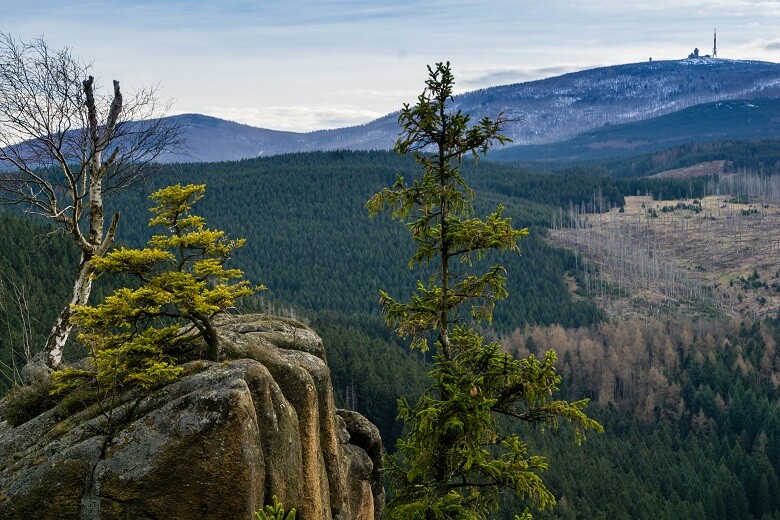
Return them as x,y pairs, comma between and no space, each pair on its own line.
64,147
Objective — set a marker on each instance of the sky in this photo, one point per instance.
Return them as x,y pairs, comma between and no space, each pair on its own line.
304,65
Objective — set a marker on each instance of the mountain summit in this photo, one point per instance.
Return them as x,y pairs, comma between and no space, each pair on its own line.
542,111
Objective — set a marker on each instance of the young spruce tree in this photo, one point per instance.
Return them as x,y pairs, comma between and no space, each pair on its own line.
460,451
183,286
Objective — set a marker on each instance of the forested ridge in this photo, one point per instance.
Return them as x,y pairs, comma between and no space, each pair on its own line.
36,266
690,409
731,121
756,155
310,240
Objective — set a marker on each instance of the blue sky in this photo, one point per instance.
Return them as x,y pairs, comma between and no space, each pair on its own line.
303,65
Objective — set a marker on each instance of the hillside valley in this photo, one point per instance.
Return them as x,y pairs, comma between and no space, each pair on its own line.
682,355
706,256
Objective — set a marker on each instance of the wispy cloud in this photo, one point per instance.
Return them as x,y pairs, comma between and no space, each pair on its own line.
307,64
294,118
488,78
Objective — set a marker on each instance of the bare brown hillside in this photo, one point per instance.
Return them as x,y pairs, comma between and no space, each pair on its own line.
704,169
713,255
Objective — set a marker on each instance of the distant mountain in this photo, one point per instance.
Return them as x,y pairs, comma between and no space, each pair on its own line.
558,108
718,121
540,112
210,139
543,111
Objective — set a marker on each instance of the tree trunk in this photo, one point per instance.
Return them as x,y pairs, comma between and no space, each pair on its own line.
97,241
444,319
62,327
211,338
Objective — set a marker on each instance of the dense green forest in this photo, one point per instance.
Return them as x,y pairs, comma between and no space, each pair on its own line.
309,238
758,156
696,410
36,266
707,446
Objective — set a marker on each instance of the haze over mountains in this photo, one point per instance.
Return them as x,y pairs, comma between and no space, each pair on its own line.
540,112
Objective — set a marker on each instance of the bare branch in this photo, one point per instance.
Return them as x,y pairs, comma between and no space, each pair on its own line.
64,146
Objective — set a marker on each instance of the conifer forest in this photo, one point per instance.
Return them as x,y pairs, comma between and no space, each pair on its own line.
685,387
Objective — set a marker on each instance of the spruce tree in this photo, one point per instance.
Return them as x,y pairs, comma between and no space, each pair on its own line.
183,285
459,451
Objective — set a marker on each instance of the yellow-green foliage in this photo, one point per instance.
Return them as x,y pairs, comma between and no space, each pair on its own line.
183,286
275,511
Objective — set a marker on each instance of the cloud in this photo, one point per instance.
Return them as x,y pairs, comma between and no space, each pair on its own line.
295,118
490,78
761,49
394,97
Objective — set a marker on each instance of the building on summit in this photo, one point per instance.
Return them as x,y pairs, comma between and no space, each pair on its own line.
695,53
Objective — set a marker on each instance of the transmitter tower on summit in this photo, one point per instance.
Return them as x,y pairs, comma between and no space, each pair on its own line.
715,43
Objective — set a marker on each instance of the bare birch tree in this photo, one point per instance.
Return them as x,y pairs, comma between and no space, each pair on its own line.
64,146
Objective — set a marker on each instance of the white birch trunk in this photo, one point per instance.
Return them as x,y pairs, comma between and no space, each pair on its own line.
97,241
62,327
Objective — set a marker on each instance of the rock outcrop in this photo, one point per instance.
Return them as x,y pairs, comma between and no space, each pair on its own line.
216,444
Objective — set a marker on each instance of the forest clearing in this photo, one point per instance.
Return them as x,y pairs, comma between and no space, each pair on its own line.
698,255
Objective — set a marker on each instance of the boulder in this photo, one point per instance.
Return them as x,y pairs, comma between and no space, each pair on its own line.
363,448
217,443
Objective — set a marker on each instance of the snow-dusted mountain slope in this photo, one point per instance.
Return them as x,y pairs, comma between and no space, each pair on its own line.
543,111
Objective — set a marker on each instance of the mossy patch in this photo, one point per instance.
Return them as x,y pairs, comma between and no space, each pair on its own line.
25,402
77,400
